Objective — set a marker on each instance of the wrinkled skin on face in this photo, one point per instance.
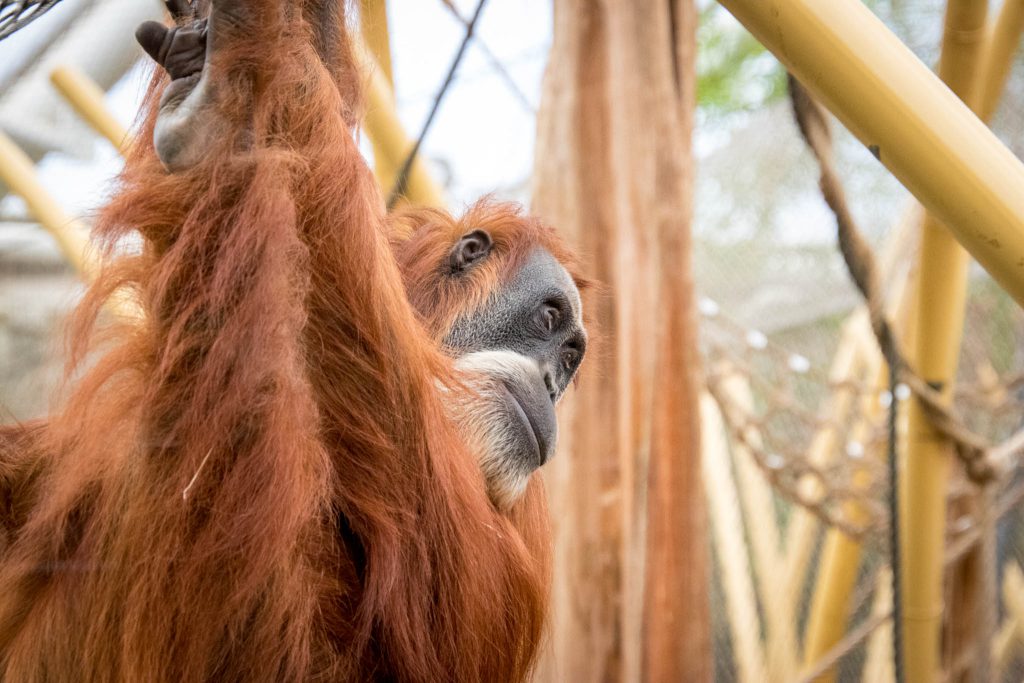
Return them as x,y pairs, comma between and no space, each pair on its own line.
520,351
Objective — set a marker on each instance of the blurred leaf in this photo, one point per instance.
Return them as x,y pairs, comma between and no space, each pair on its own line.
734,72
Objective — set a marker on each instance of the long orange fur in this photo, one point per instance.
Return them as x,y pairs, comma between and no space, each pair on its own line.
257,480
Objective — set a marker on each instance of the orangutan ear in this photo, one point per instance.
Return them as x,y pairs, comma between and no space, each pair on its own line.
471,247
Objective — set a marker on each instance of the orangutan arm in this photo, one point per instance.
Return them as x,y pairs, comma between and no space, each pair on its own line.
363,344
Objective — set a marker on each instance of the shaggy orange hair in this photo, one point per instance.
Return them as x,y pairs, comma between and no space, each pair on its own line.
256,480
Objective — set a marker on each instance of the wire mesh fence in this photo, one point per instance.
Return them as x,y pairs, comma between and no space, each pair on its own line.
798,418
16,14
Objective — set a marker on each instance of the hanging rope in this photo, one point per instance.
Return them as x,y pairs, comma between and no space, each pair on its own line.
894,527
983,461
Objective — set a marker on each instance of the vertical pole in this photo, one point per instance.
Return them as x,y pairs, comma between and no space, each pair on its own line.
919,130
840,559
373,22
1001,48
841,555
727,531
758,508
942,297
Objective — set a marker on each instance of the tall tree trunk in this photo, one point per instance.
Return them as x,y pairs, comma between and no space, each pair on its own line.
615,173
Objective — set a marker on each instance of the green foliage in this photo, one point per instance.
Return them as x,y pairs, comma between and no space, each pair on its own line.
734,72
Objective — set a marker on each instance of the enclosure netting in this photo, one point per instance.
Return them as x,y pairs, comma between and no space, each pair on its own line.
797,398
15,14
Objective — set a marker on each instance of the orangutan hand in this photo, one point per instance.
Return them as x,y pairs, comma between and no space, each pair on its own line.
187,122
180,50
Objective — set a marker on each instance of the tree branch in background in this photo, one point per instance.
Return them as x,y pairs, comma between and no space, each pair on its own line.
399,187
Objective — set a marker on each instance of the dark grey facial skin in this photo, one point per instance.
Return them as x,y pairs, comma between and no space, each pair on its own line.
537,319
537,314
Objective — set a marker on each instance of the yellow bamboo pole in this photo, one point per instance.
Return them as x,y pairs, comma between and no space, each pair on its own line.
920,130
373,23
86,98
19,174
728,537
841,555
942,301
840,565
1001,48
802,533
389,138
879,665
755,495
856,356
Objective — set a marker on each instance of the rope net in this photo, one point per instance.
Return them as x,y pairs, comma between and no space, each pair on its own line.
16,14
815,438
797,399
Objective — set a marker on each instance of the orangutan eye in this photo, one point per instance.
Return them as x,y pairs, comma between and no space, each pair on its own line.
572,353
549,317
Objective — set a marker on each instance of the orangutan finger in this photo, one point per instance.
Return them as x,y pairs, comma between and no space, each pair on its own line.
155,39
187,53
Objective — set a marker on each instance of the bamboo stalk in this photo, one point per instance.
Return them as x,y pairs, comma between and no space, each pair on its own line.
19,174
855,356
373,22
941,306
992,81
841,555
878,666
82,93
998,57
920,130
840,565
727,530
755,496
803,529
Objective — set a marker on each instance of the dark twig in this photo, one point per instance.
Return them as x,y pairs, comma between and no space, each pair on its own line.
402,179
496,64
